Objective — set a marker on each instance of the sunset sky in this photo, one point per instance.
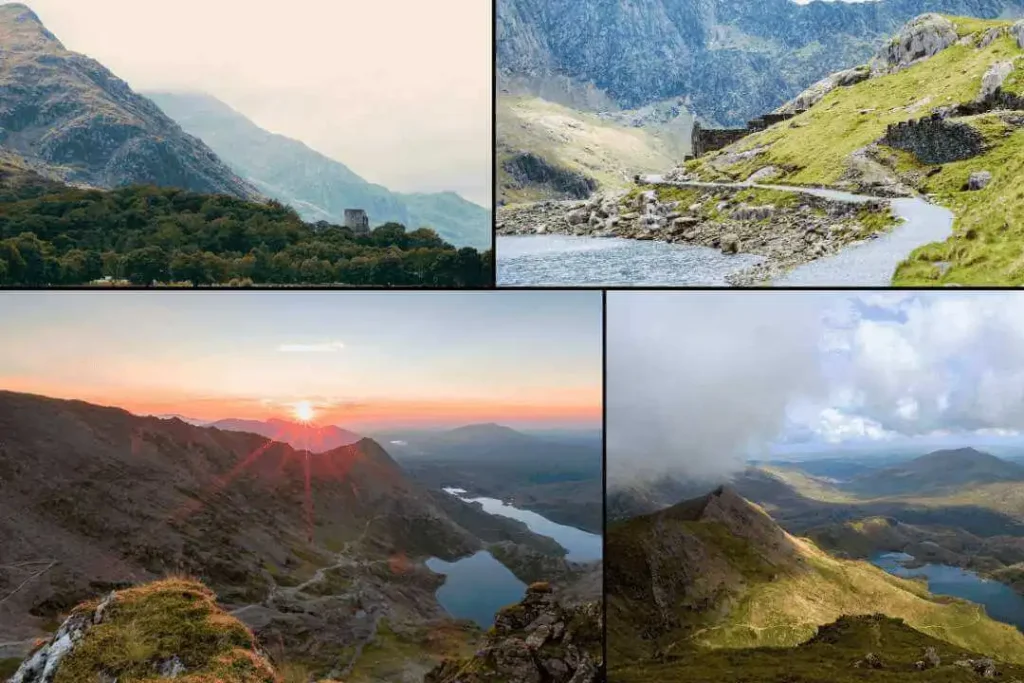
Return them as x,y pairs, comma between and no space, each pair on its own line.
399,91
363,360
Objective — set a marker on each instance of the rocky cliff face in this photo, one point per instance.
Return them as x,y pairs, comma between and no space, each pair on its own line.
731,59
536,641
75,121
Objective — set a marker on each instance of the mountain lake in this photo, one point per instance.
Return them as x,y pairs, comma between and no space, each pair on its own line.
478,586
1000,601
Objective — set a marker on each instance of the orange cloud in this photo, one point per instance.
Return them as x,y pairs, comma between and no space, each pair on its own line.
575,405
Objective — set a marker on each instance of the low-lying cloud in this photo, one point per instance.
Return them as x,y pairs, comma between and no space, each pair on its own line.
697,378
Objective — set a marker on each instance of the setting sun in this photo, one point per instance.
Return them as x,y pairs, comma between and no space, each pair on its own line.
304,411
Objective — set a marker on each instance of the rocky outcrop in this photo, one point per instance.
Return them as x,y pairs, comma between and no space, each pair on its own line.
526,169
75,121
536,641
1017,31
172,628
924,37
994,78
814,94
935,140
979,180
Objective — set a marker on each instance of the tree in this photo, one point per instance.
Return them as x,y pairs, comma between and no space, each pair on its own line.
146,265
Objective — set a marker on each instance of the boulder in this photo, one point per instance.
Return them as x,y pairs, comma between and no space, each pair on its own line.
993,79
1017,31
922,37
979,180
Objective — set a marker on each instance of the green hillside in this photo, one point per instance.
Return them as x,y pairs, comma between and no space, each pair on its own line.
717,573
836,143
846,650
579,149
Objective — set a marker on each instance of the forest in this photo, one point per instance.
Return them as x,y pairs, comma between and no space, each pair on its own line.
51,234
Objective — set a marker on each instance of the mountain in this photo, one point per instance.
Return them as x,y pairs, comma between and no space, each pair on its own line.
319,187
75,121
317,439
718,572
938,471
731,60
934,114
560,480
321,555
550,151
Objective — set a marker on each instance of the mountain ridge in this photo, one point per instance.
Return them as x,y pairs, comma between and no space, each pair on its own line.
318,186
75,121
731,60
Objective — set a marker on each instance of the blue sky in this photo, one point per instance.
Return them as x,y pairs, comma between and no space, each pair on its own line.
703,380
373,359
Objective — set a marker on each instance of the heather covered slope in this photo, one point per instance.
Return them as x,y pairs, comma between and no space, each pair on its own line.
74,120
966,71
717,572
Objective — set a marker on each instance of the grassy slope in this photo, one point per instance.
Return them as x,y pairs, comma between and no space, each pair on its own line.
987,246
827,658
608,152
782,606
788,610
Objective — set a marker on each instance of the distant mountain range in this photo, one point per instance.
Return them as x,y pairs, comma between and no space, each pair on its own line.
317,439
318,187
731,60
75,121
938,471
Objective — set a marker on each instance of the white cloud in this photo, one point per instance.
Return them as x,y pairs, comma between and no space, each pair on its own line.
695,379
322,347
699,381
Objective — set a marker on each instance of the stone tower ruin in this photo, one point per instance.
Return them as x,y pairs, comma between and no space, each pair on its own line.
356,221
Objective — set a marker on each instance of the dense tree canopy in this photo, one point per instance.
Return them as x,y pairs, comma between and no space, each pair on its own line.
53,235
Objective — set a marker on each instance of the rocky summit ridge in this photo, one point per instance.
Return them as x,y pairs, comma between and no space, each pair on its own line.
73,120
731,60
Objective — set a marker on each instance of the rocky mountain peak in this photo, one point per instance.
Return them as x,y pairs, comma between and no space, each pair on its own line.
74,121
21,28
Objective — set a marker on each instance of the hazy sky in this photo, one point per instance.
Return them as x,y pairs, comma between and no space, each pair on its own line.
699,382
398,90
364,360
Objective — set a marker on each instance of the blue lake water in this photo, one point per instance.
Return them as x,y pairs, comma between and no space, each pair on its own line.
1000,601
478,586
582,545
